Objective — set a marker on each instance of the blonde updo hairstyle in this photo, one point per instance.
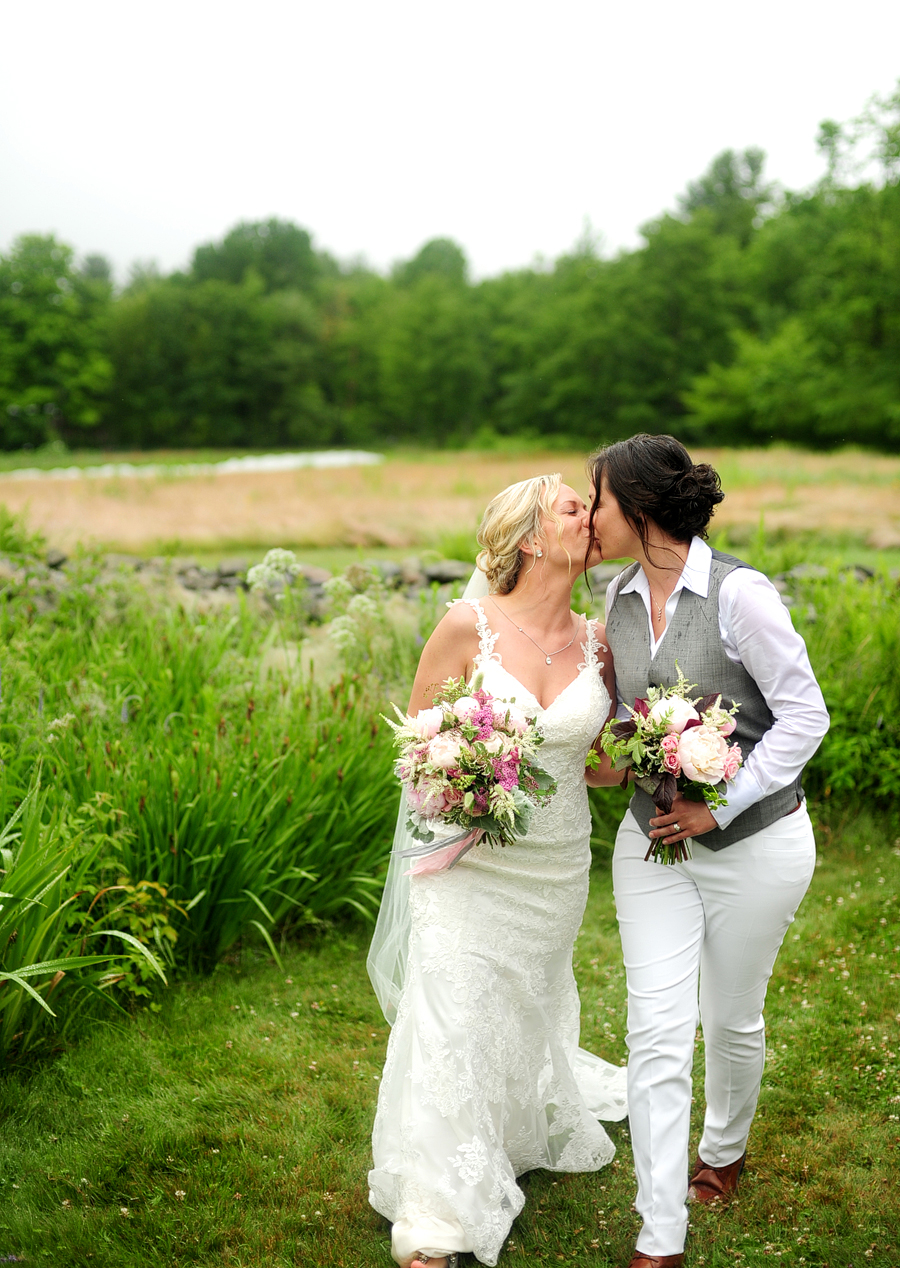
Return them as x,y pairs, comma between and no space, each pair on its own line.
514,516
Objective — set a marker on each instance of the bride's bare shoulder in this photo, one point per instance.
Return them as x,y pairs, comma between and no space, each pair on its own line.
449,653
459,621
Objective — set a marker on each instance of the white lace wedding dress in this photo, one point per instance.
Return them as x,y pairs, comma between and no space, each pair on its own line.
484,1079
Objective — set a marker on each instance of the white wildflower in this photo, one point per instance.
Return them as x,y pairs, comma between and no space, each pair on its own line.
344,632
278,569
362,605
339,590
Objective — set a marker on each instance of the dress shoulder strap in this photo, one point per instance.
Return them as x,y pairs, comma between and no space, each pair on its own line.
592,646
486,638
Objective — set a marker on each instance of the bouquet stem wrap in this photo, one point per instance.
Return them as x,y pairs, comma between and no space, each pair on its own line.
439,856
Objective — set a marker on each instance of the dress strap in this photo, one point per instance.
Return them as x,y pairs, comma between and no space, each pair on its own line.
486,639
592,647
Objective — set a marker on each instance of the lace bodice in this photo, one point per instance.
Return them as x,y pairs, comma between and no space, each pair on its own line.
569,724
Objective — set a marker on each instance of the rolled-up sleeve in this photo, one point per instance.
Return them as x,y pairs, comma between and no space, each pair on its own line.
757,632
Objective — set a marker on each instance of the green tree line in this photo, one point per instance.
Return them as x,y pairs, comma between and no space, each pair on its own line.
749,314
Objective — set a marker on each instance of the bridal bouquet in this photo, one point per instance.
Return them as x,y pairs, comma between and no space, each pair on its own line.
467,765
673,744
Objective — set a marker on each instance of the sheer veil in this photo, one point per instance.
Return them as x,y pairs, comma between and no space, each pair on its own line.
477,586
388,953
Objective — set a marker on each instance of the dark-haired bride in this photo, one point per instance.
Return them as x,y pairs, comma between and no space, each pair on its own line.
700,937
484,1078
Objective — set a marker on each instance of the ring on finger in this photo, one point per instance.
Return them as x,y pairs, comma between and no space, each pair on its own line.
677,827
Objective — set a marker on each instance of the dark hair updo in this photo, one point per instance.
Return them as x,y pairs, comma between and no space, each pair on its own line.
653,478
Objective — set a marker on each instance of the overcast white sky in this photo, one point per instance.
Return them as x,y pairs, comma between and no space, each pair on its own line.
140,130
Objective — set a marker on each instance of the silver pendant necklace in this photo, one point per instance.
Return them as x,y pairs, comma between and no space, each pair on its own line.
547,655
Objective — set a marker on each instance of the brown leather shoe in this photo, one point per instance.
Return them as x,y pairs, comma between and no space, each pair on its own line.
714,1184
642,1260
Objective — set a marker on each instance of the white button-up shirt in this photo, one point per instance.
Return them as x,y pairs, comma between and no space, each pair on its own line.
758,633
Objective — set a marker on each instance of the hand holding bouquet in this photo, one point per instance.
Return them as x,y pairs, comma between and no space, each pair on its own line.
674,744
467,763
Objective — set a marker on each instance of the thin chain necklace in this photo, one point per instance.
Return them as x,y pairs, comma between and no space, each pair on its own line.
658,606
547,655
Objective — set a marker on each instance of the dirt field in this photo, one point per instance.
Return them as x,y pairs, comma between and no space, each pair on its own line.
406,502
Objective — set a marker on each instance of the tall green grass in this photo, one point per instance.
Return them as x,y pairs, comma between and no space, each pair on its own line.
56,918
851,624
249,795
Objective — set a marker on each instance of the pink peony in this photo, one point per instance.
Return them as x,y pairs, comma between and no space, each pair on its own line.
465,706
703,752
674,712
733,760
418,796
431,798
444,750
516,719
427,722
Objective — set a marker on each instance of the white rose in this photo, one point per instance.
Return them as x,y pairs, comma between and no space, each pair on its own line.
674,712
495,744
703,753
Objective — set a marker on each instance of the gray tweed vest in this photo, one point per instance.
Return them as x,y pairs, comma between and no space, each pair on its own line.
693,644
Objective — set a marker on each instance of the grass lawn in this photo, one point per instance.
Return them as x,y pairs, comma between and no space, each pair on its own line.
231,1127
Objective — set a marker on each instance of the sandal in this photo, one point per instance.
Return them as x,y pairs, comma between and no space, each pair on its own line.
451,1256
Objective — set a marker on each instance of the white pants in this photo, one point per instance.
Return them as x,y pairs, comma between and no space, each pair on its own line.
718,918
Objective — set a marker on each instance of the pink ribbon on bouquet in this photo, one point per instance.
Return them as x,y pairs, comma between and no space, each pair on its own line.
441,858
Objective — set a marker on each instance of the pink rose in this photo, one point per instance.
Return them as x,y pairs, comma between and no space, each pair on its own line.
674,712
672,763
703,752
669,744
427,722
733,759
444,750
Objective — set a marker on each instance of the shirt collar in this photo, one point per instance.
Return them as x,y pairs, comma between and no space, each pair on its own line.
694,576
